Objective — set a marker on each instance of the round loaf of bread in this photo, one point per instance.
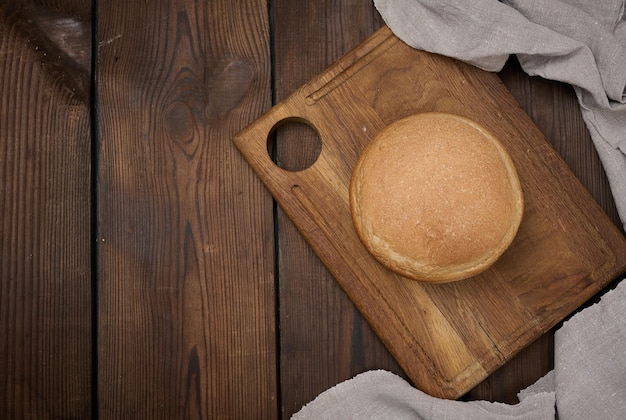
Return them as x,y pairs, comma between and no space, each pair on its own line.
435,197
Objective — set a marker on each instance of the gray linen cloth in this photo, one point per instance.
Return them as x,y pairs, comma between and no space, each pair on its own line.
582,43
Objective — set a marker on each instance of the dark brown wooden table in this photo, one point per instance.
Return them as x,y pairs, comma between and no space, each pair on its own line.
145,272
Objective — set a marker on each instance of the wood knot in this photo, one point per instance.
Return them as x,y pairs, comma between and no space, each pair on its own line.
179,122
195,101
230,80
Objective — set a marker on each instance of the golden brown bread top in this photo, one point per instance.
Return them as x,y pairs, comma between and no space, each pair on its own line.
435,197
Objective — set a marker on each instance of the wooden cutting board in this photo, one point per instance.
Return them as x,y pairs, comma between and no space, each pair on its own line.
447,337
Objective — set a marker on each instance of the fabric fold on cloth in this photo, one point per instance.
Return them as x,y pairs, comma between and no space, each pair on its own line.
383,395
582,43
588,381
571,41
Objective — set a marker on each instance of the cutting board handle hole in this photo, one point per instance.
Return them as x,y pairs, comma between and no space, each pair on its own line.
294,144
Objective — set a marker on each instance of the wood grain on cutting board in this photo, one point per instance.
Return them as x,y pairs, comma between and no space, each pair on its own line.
447,337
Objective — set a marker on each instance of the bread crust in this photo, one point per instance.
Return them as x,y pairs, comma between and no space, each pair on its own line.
435,197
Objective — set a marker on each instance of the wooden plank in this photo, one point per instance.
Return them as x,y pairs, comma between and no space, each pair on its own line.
45,199
186,283
324,339
565,251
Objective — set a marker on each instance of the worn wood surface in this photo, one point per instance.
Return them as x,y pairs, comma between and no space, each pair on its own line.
194,314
